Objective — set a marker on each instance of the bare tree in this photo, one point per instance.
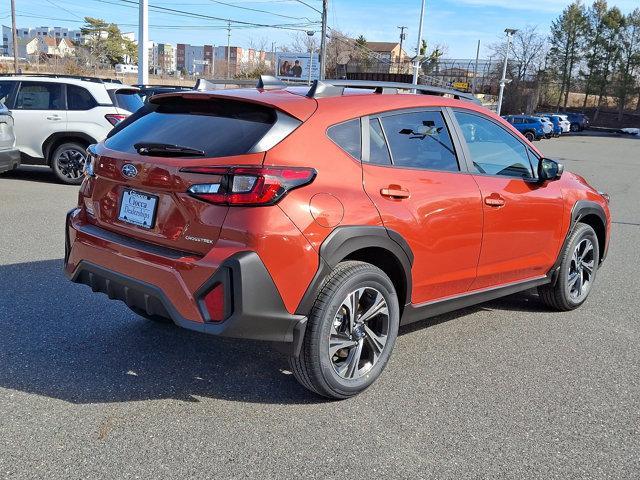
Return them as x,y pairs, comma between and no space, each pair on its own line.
527,50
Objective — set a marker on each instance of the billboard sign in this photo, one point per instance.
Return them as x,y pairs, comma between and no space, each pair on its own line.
291,66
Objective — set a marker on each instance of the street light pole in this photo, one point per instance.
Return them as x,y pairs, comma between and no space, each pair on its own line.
323,40
229,49
143,39
474,85
416,62
15,36
503,80
310,34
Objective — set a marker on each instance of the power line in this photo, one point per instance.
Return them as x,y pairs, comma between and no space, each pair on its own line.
310,6
62,8
283,26
259,10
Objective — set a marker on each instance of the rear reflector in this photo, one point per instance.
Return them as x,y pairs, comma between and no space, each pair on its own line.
214,302
249,186
115,118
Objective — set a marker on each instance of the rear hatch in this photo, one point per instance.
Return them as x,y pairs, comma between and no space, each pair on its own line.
139,183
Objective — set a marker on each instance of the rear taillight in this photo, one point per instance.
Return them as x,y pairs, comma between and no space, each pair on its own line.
249,186
115,118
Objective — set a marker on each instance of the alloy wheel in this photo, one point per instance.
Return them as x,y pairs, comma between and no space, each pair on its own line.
581,270
359,333
70,162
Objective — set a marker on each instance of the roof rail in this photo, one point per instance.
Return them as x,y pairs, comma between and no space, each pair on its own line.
58,75
332,88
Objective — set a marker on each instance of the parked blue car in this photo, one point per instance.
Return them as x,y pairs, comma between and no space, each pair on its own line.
531,127
579,121
557,128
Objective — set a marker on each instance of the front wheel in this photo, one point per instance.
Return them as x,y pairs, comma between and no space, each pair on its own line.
577,272
351,331
530,136
574,127
67,162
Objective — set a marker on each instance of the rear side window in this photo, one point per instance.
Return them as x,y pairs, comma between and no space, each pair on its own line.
348,136
220,128
420,140
40,96
79,98
127,99
5,91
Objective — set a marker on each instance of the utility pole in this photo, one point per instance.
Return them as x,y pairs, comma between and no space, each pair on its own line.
143,40
402,37
503,81
323,40
475,71
416,63
229,49
15,36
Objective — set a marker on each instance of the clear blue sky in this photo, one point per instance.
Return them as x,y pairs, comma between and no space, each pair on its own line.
456,23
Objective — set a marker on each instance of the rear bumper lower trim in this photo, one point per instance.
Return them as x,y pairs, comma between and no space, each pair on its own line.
257,312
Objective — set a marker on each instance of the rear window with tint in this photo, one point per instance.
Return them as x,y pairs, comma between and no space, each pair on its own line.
220,128
128,100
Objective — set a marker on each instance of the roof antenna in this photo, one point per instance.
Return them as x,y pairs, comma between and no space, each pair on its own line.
269,82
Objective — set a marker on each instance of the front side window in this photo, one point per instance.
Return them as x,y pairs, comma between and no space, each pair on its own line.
40,96
420,140
347,136
494,151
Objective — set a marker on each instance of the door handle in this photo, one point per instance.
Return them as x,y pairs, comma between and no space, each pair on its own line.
54,117
394,191
494,200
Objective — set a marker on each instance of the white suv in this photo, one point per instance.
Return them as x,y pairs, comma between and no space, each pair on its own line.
58,116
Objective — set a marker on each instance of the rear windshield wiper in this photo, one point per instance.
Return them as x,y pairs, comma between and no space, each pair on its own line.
166,149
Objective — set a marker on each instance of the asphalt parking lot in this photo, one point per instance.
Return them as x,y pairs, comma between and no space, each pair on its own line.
505,389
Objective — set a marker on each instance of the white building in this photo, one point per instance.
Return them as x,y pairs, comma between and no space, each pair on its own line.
57,33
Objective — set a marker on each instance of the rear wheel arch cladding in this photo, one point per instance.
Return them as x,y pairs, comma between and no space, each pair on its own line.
346,240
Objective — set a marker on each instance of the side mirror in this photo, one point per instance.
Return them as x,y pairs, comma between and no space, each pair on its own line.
549,169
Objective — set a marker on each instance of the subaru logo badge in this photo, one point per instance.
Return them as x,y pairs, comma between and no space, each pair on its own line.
129,170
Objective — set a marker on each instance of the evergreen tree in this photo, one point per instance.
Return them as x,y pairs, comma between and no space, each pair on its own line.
567,36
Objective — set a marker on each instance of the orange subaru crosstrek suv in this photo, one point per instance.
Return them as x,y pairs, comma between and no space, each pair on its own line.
321,219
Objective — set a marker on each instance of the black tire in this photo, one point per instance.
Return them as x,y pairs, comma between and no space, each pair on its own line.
153,318
67,162
548,136
575,127
560,296
530,136
315,368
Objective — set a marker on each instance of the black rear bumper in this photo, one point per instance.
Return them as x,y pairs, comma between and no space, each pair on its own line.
255,309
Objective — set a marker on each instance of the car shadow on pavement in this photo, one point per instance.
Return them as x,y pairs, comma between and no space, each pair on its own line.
32,174
62,341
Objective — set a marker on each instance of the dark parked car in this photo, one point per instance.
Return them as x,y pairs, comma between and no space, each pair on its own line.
148,91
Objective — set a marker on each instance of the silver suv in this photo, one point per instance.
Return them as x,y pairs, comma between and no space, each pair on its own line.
58,116
9,154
